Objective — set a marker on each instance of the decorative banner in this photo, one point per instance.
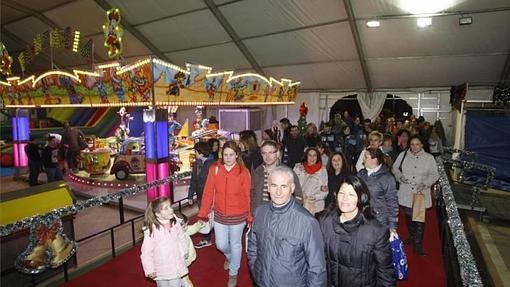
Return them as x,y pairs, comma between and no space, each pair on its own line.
49,247
57,38
6,60
37,44
144,83
113,33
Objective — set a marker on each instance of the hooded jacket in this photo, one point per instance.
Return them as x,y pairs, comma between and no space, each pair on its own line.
383,195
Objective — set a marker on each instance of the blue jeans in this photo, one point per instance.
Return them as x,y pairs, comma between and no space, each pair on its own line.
54,174
229,242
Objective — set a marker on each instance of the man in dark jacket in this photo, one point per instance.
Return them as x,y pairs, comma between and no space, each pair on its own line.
203,161
285,245
34,152
260,176
294,147
50,160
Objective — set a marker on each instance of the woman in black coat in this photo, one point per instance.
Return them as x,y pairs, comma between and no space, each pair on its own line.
356,245
338,168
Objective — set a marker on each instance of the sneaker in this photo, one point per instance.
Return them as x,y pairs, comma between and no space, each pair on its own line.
203,243
232,281
226,265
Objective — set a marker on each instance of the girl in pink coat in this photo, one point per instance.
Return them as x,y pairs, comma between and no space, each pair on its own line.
164,245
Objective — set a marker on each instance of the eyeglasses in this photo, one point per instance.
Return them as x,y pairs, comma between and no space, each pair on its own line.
268,153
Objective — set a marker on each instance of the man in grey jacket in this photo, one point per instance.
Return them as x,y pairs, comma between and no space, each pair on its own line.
259,177
285,244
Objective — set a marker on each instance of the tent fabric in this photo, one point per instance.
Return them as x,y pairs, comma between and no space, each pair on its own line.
308,41
371,104
488,136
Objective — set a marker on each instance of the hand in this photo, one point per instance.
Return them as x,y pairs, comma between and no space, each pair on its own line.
403,179
324,188
393,231
201,222
190,202
152,275
420,187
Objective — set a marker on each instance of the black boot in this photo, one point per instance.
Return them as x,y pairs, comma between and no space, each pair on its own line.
418,238
411,229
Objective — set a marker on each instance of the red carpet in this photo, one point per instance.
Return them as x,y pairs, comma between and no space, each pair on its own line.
126,269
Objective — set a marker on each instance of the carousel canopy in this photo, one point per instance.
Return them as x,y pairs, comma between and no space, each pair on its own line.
325,44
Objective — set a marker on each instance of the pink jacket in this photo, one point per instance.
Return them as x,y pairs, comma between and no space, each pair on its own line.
163,252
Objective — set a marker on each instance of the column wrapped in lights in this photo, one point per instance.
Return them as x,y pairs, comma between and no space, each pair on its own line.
20,136
156,150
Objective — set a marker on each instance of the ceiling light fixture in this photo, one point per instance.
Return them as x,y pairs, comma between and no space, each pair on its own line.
465,20
424,22
373,24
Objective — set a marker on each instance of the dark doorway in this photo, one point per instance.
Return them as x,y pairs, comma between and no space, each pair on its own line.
393,105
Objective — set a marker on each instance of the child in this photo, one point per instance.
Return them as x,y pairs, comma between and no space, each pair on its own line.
192,254
164,245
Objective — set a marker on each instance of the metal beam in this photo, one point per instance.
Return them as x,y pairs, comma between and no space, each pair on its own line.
505,74
357,42
41,17
127,26
233,35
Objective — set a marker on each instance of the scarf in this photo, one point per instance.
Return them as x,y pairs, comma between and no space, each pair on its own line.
311,169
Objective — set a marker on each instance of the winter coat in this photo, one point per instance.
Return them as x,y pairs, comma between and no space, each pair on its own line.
416,168
357,252
285,247
294,150
257,188
252,159
383,195
71,138
198,178
311,185
230,191
163,252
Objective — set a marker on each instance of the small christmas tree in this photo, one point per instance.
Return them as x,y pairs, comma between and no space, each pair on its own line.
303,110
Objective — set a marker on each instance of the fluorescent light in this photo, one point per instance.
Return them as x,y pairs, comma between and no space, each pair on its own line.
424,22
426,7
465,20
373,24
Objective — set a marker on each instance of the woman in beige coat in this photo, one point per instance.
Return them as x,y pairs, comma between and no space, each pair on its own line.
415,170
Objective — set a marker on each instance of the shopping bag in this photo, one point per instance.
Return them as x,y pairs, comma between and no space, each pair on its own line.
419,207
399,257
209,225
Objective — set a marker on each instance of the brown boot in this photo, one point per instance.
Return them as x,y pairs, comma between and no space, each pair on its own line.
411,229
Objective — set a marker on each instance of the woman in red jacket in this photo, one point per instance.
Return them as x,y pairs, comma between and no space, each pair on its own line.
227,194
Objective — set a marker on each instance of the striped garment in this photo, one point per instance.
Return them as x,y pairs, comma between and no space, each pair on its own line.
231,219
265,191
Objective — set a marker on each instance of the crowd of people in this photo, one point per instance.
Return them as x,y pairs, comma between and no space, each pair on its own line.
320,206
57,156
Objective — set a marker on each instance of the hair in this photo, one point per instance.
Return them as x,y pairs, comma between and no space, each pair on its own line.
248,133
234,146
314,127
182,216
388,136
211,142
361,190
325,147
376,134
249,142
285,121
202,148
376,153
285,170
305,156
270,143
151,220
345,164
420,138
271,134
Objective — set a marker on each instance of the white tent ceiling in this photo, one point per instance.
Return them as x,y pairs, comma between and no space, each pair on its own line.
308,40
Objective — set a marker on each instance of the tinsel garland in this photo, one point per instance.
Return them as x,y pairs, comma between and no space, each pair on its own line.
468,270
58,213
470,165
